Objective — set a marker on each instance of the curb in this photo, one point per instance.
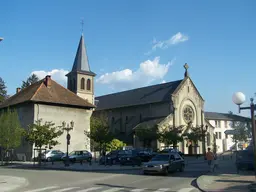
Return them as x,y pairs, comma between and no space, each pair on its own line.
203,181
75,169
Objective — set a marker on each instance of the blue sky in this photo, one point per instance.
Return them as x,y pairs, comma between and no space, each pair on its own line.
216,38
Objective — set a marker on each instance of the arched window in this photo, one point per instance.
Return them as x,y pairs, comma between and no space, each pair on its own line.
82,83
88,84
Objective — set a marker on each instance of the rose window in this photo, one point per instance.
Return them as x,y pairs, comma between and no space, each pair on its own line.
188,114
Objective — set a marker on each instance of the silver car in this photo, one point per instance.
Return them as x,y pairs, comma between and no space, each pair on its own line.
164,163
52,155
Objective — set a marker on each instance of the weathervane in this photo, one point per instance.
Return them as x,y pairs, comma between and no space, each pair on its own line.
186,70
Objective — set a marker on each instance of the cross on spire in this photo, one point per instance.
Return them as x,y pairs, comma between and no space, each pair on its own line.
186,70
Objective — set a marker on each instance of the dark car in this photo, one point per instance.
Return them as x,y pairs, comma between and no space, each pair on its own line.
130,157
164,163
111,158
173,150
145,155
245,160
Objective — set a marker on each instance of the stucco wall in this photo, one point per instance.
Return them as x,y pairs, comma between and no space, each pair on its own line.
26,117
57,115
84,93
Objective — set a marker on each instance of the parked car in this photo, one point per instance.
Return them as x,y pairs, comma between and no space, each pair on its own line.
130,157
144,155
164,163
79,156
171,150
244,160
52,155
111,158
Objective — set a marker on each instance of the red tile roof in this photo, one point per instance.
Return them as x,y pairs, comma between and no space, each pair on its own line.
54,94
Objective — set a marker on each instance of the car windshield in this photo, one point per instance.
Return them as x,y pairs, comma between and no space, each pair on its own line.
160,158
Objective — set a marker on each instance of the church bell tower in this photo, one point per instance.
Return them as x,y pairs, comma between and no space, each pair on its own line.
81,78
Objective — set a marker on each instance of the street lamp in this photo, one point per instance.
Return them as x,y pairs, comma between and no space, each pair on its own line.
203,131
1,39
67,128
239,98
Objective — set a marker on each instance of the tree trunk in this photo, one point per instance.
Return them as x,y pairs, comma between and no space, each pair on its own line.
39,156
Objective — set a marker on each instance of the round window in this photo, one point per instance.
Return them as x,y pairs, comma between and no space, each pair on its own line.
188,114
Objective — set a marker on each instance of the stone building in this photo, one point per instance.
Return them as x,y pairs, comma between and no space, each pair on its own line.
49,101
174,103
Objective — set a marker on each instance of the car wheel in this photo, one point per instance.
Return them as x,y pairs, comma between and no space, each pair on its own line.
182,168
113,161
49,159
144,173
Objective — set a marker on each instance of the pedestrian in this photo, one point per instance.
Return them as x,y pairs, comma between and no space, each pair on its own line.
216,162
210,158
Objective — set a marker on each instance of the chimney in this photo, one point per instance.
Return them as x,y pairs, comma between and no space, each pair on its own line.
18,90
48,81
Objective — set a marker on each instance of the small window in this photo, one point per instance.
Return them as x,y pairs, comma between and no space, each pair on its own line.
220,135
82,83
226,124
88,84
216,135
188,89
226,136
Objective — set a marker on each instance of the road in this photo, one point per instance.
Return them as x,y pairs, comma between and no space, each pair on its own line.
132,180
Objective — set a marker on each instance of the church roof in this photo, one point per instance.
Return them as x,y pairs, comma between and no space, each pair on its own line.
145,95
224,116
81,63
53,94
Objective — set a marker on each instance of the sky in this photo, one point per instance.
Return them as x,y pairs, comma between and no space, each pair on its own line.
134,43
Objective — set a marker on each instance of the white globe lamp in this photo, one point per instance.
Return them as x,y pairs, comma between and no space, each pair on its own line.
238,98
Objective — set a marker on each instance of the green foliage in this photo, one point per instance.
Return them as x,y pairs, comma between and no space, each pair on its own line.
30,80
3,91
115,144
147,134
43,134
10,130
195,135
99,133
241,131
171,136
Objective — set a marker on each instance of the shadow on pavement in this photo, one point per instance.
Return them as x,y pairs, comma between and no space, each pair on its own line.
130,171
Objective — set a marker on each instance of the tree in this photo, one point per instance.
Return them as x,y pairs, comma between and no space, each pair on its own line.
171,135
99,134
11,131
242,131
115,144
30,80
147,134
41,134
3,91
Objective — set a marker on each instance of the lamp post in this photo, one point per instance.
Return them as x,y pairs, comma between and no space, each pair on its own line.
239,98
203,131
67,128
1,39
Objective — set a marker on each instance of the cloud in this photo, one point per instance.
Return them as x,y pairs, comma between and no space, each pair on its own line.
163,81
56,74
175,39
148,72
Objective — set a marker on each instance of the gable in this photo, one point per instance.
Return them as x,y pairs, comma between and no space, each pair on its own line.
187,82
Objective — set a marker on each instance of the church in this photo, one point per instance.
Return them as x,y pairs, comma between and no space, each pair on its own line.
177,103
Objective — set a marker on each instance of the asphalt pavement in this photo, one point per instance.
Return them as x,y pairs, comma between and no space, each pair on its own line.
112,181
